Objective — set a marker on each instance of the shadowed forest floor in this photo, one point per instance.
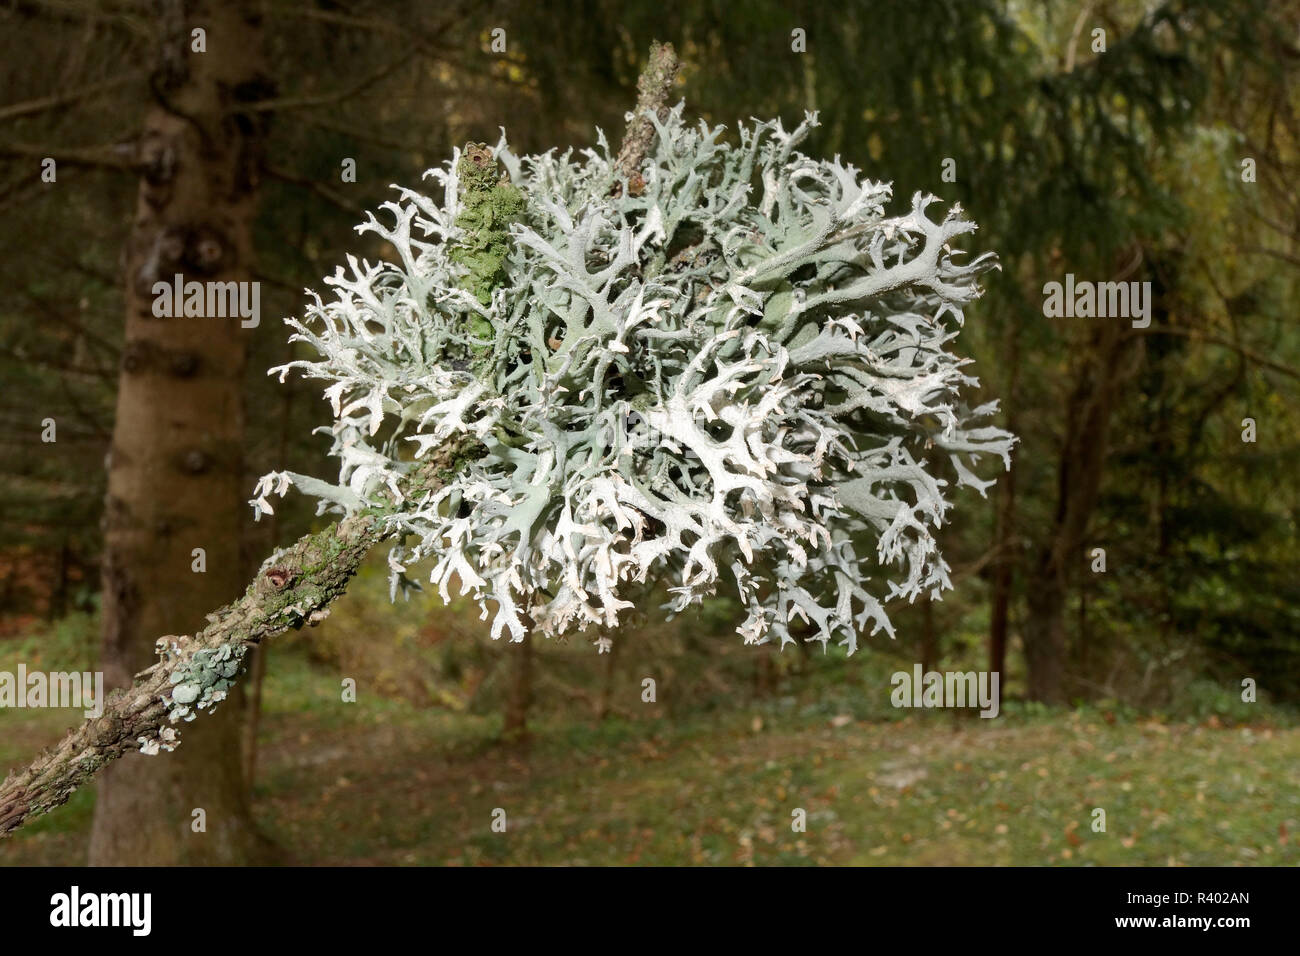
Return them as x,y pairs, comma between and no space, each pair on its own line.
391,784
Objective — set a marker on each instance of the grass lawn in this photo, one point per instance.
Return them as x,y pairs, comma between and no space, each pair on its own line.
387,783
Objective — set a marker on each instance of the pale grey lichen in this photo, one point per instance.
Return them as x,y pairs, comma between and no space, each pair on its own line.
202,681
737,375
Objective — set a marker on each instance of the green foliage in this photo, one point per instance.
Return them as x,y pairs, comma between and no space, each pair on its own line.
70,643
401,784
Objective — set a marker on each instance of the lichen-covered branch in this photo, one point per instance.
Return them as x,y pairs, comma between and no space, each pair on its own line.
709,361
737,372
295,586
489,205
472,232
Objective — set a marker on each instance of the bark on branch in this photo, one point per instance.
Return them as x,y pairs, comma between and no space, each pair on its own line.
301,583
654,87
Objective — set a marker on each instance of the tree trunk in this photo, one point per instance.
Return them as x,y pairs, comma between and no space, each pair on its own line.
1005,521
1045,636
175,480
1083,454
929,636
258,655
256,663
520,696
59,600
604,704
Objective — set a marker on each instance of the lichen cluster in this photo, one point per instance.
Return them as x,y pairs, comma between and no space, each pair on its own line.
199,684
737,374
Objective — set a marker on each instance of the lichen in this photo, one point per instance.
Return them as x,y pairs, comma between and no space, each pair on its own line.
738,374
200,683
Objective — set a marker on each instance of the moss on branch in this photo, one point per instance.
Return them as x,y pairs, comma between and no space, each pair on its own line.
489,204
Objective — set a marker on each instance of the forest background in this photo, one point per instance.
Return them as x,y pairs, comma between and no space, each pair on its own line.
1137,565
